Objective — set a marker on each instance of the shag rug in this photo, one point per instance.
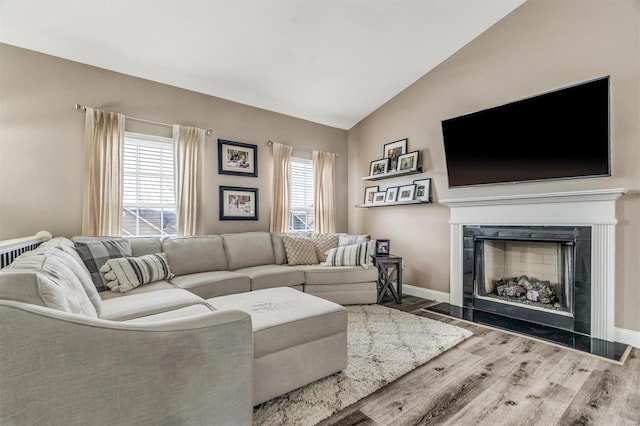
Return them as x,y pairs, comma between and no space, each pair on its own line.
383,344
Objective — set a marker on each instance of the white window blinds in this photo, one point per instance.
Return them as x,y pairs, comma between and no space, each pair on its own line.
148,189
301,195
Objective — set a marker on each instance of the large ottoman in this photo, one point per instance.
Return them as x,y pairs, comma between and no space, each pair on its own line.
297,338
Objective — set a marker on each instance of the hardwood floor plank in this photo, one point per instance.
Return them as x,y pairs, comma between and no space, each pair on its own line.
496,378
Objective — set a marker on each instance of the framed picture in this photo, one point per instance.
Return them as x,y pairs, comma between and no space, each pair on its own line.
423,189
392,151
379,197
237,203
383,247
369,192
406,192
236,158
409,161
392,194
379,167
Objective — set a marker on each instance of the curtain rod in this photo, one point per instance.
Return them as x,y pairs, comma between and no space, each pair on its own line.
160,123
270,143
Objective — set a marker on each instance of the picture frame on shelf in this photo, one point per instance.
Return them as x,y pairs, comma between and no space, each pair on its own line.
392,151
406,192
383,247
379,197
392,194
379,167
237,158
409,161
423,189
238,203
369,192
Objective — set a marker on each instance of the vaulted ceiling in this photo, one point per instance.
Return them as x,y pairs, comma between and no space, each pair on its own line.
328,61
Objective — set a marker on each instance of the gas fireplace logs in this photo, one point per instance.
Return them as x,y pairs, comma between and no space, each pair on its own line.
524,288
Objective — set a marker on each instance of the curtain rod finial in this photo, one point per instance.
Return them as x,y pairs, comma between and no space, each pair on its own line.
209,131
270,142
78,106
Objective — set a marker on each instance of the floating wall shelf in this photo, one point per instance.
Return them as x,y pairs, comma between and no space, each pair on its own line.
394,203
393,174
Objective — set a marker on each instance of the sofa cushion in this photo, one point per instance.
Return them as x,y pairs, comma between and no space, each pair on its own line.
147,288
349,239
351,255
212,284
45,281
324,275
189,311
246,249
150,303
145,245
300,250
95,253
69,257
282,318
278,247
127,273
190,255
268,276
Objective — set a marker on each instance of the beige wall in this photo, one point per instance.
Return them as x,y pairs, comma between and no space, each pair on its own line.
42,152
542,45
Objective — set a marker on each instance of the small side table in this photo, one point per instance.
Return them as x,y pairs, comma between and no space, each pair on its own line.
389,272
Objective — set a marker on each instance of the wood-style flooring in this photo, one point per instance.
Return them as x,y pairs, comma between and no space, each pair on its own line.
497,378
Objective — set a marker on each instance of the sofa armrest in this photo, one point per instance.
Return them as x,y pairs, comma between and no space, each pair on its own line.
63,369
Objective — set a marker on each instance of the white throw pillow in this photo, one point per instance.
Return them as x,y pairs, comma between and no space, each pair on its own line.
351,255
126,273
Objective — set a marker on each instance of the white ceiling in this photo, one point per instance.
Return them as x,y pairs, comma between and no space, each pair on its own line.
328,61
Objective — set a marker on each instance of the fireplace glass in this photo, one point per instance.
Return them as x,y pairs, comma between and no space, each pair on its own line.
538,274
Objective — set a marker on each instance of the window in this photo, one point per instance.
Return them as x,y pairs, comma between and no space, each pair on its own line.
149,206
301,195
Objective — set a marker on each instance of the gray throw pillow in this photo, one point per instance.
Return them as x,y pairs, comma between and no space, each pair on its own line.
95,254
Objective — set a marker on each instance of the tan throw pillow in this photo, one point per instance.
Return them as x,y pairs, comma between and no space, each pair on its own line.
324,243
300,250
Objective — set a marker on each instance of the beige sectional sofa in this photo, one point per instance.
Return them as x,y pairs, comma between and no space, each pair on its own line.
235,326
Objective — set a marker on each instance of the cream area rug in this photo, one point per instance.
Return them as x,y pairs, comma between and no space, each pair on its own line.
384,344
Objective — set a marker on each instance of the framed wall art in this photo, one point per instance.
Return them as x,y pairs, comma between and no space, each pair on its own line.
378,197
369,192
409,161
379,167
237,158
392,151
392,194
237,203
406,192
423,189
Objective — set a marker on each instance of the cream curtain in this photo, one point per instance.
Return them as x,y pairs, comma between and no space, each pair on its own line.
187,148
280,188
103,173
324,194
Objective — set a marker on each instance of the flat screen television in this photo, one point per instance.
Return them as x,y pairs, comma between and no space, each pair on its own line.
563,134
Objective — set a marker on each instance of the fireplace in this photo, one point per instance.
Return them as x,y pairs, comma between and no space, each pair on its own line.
573,233
540,274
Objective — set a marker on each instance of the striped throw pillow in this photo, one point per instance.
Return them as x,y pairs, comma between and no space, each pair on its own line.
350,255
126,273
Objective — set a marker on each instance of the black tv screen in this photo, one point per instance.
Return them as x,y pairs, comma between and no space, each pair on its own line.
563,134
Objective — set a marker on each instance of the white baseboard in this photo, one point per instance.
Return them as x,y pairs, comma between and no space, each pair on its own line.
425,293
626,336
621,335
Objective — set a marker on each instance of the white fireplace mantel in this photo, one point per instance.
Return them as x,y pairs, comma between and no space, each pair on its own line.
577,208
